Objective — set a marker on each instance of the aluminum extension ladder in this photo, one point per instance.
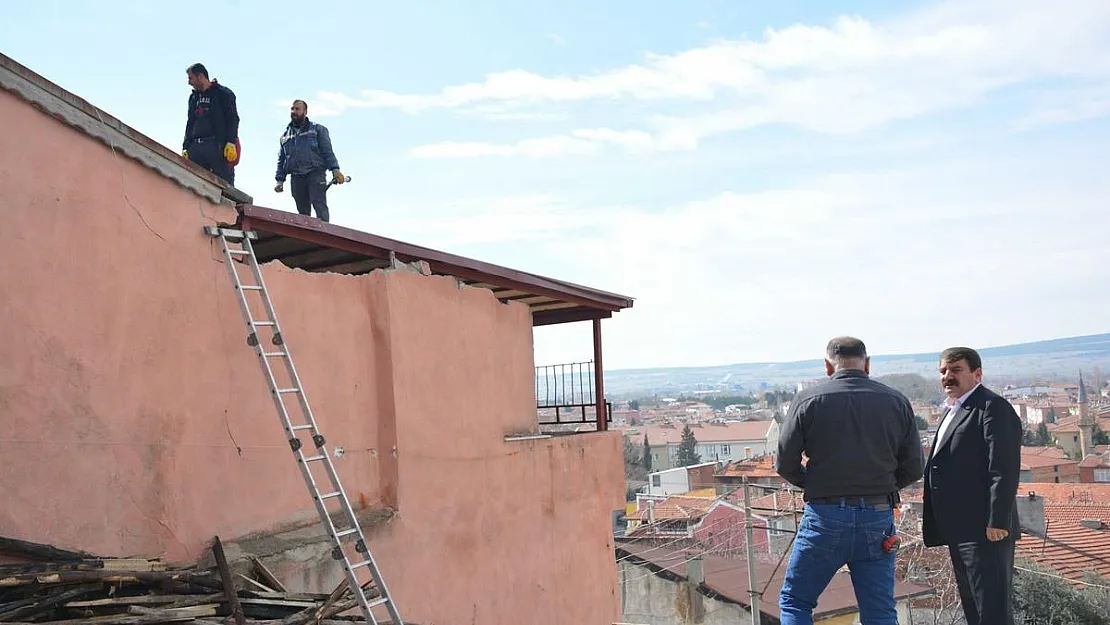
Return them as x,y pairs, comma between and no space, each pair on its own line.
237,247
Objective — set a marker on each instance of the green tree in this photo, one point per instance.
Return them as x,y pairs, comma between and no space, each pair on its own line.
633,464
633,405
1099,437
1028,437
1043,437
922,424
646,455
687,454
1040,596
1050,416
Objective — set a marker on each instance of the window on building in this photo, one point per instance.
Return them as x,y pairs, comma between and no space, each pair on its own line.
656,481
724,450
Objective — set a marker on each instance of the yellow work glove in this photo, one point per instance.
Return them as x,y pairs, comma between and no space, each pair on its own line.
339,177
229,152
184,153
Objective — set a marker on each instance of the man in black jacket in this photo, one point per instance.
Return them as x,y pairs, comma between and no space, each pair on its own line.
862,444
971,481
212,128
305,154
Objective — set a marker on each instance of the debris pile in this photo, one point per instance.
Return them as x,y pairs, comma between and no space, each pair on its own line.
75,588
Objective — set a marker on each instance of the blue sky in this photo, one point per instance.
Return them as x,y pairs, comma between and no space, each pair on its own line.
760,176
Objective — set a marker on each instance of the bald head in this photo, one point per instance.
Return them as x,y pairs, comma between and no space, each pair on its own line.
846,352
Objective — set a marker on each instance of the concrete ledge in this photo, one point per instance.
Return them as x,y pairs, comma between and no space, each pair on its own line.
90,120
513,438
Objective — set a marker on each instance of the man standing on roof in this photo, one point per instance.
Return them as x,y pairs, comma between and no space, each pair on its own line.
862,444
212,129
305,154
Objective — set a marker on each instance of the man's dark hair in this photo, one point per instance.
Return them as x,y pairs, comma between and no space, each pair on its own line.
845,347
302,103
956,354
198,69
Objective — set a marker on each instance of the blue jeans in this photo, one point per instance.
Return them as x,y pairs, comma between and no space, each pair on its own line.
829,537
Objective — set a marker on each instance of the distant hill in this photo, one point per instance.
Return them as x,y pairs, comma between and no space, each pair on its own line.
1051,360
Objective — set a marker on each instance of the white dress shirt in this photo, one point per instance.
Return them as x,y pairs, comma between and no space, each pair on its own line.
953,407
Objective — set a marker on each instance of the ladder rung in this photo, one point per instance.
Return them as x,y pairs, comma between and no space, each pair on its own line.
307,426
359,565
273,354
250,287
377,602
263,323
342,533
330,495
238,252
289,390
314,458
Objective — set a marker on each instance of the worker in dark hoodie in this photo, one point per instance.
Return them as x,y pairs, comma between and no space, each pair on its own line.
306,154
212,130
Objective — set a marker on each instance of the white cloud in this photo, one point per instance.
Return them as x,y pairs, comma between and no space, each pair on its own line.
578,142
1067,106
851,76
744,277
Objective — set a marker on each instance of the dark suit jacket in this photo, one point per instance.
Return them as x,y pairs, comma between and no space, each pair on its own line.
971,479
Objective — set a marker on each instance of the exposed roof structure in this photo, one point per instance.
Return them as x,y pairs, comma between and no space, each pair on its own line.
306,243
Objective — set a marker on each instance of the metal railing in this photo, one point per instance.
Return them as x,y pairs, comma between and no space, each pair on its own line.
565,394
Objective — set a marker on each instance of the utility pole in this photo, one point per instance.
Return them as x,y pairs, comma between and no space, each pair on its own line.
751,554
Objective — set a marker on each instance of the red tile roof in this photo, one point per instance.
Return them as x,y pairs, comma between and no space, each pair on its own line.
728,577
1039,462
1072,551
1061,514
678,508
1093,461
762,466
779,502
1043,452
1067,493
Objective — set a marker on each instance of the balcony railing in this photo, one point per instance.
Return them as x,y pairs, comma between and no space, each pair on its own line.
565,394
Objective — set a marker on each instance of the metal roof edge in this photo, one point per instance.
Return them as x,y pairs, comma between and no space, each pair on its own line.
95,123
258,217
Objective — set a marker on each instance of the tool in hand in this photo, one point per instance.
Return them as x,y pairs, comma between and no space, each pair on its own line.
346,179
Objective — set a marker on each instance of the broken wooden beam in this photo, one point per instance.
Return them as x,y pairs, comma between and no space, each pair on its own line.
193,611
40,605
229,582
267,576
39,551
111,577
258,585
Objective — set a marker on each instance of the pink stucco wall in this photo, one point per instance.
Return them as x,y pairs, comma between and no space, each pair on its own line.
125,378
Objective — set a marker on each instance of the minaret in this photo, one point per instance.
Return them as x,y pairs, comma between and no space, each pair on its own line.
1086,423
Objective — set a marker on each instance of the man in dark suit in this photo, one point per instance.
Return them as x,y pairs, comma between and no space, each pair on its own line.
971,482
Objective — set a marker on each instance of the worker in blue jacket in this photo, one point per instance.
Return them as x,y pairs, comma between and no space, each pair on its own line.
306,154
